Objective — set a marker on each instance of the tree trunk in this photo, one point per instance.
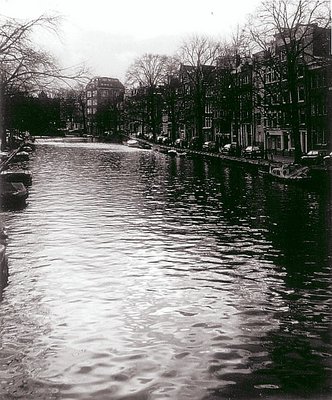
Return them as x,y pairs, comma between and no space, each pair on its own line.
173,121
85,130
294,108
2,115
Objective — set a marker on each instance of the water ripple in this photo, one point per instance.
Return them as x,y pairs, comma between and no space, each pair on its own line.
137,276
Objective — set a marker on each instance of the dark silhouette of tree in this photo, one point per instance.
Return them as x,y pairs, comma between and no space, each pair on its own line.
38,115
73,105
24,66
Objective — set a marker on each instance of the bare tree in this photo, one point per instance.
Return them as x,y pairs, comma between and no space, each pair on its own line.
150,70
198,56
285,32
233,55
148,73
24,66
73,104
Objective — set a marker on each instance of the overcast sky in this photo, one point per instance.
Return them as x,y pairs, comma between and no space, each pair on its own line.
109,34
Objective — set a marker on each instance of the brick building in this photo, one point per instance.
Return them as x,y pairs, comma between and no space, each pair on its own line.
102,96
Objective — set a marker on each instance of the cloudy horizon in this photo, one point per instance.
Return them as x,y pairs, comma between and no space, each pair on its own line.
111,35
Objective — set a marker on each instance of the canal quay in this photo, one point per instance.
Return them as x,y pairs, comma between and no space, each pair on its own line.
135,275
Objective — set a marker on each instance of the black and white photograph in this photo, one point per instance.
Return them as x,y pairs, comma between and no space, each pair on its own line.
165,200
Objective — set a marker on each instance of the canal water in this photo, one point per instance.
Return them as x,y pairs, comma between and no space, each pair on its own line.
134,275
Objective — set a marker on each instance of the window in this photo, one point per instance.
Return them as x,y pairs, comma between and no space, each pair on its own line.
274,119
300,71
300,92
208,108
245,79
268,75
278,142
286,97
275,98
302,116
95,102
88,93
208,122
89,102
209,92
283,55
104,93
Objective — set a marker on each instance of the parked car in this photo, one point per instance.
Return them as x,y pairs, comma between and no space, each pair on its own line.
314,157
209,146
231,149
167,141
163,140
195,143
181,143
328,159
253,152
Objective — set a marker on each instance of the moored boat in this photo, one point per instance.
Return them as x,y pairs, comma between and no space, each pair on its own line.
13,195
20,156
163,149
145,145
16,176
172,152
28,147
181,153
289,173
4,155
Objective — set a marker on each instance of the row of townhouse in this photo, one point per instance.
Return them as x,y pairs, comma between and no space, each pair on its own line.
248,101
240,99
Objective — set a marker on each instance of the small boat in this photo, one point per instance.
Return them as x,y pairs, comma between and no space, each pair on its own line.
289,173
3,235
163,150
13,195
28,147
4,155
21,156
145,145
172,152
16,176
132,143
181,153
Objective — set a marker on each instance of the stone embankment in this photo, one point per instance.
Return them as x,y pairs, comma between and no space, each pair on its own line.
320,174
3,235
3,261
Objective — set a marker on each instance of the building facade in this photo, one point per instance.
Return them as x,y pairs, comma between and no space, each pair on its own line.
257,100
103,94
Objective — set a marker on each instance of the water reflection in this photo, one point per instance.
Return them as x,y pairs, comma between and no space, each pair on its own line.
136,276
